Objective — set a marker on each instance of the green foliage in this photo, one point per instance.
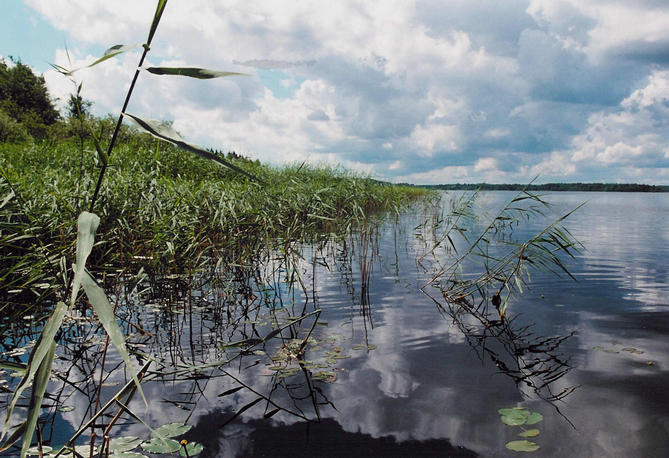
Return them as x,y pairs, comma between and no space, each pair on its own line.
77,105
179,210
11,130
25,98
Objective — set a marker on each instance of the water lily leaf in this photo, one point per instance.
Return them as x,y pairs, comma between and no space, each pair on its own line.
171,430
192,72
164,132
513,417
34,451
534,418
124,444
157,445
105,312
127,455
522,446
510,411
529,433
65,409
191,449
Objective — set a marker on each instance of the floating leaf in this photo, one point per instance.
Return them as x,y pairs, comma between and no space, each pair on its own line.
534,418
326,376
529,433
34,451
124,444
514,417
171,430
522,446
157,445
164,132
192,72
371,347
65,409
127,455
191,449
633,351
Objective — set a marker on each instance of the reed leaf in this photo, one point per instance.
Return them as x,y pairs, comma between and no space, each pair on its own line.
160,7
192,72
164,132
108,54
105,313
86,226
40,352
39,388
113,52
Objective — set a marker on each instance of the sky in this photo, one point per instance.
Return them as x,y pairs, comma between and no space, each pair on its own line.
425,92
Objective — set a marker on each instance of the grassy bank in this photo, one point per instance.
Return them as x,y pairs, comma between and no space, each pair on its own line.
167,208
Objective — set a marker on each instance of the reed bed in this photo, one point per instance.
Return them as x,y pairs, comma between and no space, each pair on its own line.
166,209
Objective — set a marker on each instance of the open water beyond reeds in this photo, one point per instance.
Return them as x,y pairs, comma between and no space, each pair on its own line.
334,350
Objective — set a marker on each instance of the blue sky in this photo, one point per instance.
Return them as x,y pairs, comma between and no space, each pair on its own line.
420,91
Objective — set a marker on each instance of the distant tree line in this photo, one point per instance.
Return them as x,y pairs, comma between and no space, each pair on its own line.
600,187
26,109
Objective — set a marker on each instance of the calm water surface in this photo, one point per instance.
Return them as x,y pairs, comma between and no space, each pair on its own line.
411,378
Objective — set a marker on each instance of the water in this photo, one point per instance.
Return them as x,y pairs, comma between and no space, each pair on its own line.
413,377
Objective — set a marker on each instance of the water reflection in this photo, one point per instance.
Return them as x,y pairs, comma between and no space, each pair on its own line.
332,348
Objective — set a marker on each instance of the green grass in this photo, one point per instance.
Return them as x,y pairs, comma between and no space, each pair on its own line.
171,210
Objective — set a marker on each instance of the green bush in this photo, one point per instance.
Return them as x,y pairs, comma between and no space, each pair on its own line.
12,131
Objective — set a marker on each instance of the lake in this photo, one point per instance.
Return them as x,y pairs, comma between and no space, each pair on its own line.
390,368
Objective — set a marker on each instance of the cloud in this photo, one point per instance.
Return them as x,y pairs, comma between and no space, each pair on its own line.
269,64
401,90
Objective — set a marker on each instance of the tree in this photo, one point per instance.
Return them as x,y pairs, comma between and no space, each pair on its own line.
25,97
76,105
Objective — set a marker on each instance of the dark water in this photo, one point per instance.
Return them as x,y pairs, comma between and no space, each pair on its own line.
413,376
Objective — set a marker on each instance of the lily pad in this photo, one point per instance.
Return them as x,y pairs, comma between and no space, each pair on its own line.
534,418
33,451
522,446
171,430
514,417
156,445
191,449
65,409
529,433
127,455
124,444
